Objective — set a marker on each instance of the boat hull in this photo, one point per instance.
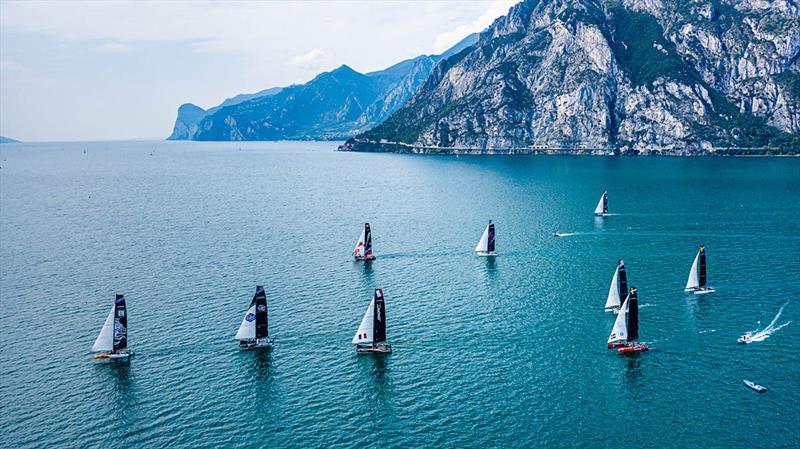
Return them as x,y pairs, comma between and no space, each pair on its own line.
700,291
634,348
754,386
486,254
117,356
256,344
361,258
377,349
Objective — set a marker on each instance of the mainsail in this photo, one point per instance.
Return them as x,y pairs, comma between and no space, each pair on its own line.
633,315
486,243
602,205
619,331
701,267
262,314
120,324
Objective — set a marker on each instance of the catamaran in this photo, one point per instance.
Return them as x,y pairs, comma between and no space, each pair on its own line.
602,206
619,287
371,334
112,343
363,249
254,330
626,327
697,282
485,245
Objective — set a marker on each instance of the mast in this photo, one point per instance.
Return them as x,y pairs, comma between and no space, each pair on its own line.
379,318
120,324
623,278
262,314
490,242
367,240
633,315
702,267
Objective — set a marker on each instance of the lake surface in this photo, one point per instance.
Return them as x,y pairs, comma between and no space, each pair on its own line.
505,352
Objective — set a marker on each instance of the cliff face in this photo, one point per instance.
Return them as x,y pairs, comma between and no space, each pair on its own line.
617,75
336,104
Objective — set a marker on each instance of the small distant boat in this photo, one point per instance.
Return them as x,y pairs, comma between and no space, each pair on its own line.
697,282
746,338
619,287
755,386
602,206
112,343
485,245
626,327
371,334
363,249
254,330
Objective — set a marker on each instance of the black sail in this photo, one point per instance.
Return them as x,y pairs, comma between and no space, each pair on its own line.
701,267
379,323
490,243
120,324
623,279
367,240
262,313
605,202
633,315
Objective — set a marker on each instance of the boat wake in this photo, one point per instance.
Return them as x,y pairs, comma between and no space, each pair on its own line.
646,305
710,331
565,234
763,334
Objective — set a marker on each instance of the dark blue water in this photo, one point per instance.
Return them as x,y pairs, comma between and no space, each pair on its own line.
488,353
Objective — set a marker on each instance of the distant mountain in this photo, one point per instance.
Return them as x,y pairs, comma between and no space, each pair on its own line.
336,104
7,140
612,75
190,115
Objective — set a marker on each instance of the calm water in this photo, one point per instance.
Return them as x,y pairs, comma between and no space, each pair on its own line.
503,353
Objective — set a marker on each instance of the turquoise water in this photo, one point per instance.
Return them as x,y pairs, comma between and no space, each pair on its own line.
507,352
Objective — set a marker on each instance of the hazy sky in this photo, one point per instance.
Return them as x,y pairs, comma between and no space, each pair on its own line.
96,70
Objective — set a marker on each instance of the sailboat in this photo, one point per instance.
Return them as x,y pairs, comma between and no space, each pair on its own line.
112,343
602,206
626,327
485,245
371,334
363,249
619,285
254,330
697,282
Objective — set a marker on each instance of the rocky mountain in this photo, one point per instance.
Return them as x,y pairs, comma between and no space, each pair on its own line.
630,76
190,115
7,140
335,104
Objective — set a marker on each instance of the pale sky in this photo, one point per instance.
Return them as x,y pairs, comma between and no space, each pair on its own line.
101,70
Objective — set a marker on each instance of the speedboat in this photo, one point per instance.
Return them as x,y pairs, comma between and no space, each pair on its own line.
746,338
754,386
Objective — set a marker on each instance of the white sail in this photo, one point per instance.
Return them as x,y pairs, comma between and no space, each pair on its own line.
599,209
364,334
358,251
105,341
483,243
693,281
613,291
247,330
620,329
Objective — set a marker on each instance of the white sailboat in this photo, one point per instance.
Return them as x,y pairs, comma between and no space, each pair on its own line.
363,249
698,282
112,342
602,206
619,285
485,246
371,333
254,330
625,333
